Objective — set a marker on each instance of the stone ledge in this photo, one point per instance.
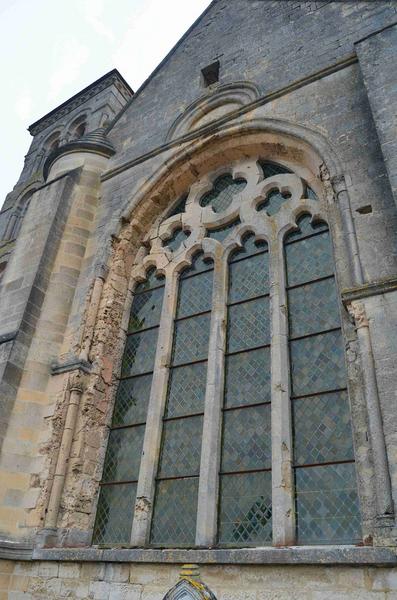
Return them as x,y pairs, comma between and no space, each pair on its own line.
369,289
15,550
294,555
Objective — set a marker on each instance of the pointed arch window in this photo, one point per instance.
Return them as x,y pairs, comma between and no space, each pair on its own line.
253,387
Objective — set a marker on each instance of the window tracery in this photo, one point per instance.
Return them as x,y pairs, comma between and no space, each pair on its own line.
242,246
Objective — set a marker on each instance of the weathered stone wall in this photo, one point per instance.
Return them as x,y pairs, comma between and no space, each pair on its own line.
134,581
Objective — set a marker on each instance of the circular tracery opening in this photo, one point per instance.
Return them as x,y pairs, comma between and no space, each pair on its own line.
222,193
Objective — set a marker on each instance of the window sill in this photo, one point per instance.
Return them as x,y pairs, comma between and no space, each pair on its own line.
294,555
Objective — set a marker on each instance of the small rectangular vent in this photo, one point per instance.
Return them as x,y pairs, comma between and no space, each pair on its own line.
210,74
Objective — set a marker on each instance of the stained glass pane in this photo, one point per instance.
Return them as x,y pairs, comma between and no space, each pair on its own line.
175,512
221,195
191,339
114,514
195,294
250,248
146,309
248,325
222,233
186,390
246,509
139,353
178,237
132,400
327,505
249,278
305,228
313,307
246,439
199,264
309,259
317,363
247,378
123,454
152,280
322,431
269,169
274,201
180,454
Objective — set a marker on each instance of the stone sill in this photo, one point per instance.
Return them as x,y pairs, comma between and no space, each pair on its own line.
294,555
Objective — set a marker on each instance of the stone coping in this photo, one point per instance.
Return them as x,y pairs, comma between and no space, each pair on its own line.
294,555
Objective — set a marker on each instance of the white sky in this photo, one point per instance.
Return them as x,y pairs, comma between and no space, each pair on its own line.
51,49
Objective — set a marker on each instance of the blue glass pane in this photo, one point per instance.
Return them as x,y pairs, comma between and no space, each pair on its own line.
178,237
221,233
246,509
191,339
152,280
132,400
310,194
199,264
195,294
180,454
273,202
139,353
175,512
249,278
114,514
269,169
180,207
309,259
123,455
146,309
246,439
248,325
305,228
322,430
221,195
186,390
317,363
313,307
327,505
247,378
250,248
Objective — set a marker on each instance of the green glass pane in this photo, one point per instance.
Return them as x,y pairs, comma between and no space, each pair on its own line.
181,449
186,390
249,278
269,169
152,280
178,237
246,439
247,378
199,264
146,309
191,339
245,509
114,514
123,455
132,400
322,430
248,325
195,294
309,259
139,353
313,307
175,511
221,233
273,202
327,505
250,248
317,363
221,195
305,228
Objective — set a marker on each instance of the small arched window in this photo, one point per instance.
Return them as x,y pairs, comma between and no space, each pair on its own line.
52,142
236,359
77,129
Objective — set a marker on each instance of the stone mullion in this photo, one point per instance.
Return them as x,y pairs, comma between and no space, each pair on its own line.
283,506
207,509
154,424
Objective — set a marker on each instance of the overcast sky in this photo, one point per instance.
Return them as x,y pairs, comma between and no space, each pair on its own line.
51,49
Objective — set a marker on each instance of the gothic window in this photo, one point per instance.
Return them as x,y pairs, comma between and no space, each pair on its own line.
251,318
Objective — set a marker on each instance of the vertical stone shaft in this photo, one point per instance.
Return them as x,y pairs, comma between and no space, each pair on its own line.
207,509
154,425
283,510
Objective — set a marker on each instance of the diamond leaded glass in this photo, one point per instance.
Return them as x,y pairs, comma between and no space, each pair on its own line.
313,307
269,169
153,279
114,514
250,248
322,431
245,509
246,439
123,454
180,454
248,325
139,353
309,259
195,294
175,510
273,202
146,309
178,237
327,504
247,378
186,390
222,233
249,278
191,339
222,193
132,400
199,264
306,228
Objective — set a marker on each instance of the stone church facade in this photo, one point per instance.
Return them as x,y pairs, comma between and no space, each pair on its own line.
198,320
